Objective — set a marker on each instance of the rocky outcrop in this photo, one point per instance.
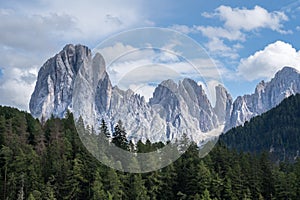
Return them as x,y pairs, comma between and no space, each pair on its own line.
53,91
223,105
74,79
267,95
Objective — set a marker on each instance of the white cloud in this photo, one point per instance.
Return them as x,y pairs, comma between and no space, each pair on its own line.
237,23
114,52
265,63
15,86
219,32
209,88
183,28
138,67
33,31
144,90
216,36
251,19
216,46
98,18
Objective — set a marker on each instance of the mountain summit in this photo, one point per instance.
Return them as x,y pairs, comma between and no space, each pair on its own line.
53,91
267,95
174,109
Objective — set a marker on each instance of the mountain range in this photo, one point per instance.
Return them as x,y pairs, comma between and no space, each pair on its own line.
76,80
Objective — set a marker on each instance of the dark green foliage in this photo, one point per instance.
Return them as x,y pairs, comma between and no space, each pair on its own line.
49,162
104,129
276,131
119,136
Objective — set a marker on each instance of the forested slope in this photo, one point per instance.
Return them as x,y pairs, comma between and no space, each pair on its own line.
49,162
276,131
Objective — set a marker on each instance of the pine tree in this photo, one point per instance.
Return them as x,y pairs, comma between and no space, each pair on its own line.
31,197
168,180
103,129
49,192
6,154
196,197
138,189
97,188
227,193
267,178
216,186
203,176
153,184
119,136
80,126
21,189
205,195
112,184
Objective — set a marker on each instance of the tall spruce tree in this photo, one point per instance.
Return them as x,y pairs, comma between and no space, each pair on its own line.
104,129
119,136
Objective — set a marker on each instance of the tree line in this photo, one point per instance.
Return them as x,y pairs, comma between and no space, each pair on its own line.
276,131
49,161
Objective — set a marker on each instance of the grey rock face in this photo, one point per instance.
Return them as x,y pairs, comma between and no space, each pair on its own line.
103,93
174,109
184,106
266,96
54,87
223,104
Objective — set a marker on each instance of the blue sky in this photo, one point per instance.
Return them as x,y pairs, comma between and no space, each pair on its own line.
248,40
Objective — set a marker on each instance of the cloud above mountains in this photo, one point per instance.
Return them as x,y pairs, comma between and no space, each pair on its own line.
237,23
33,31
265,63
234,27
249,19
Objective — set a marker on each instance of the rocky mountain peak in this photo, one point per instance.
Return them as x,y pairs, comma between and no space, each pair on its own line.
285,72
266,96
223,104
98,60
54,86
74,78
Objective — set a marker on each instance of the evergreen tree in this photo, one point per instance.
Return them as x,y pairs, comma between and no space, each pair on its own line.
70,172
168,182
48,193
138,189
153,184
6,155
97,188
112,184
119,136
205,195
196,197
227,192
31,197
267,181
104,130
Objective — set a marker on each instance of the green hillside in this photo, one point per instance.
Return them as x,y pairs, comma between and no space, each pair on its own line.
49,162
276,131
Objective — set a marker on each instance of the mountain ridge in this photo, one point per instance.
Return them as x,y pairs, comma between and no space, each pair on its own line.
275,131
266,96
174,108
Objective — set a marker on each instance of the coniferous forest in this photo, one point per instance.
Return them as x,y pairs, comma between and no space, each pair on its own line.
48,161
276,131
